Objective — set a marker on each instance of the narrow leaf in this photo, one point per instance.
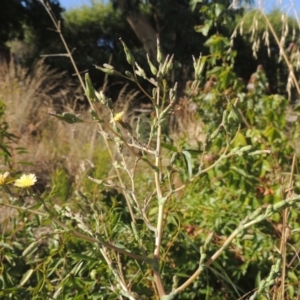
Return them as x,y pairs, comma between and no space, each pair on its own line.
26,277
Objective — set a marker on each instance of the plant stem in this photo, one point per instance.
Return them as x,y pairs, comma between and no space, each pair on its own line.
160,216
295,81
285,233
69,54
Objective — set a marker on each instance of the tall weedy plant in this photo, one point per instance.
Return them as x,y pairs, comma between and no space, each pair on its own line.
126,237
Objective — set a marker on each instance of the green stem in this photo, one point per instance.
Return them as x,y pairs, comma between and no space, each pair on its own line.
160,216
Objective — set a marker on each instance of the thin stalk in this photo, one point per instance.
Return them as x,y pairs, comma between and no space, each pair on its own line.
56,23
290,67
139,85
285,233
160,216
69,54
119,277
35,212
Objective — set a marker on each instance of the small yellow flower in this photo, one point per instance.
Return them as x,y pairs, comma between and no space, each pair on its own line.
3,178
26,181
118,116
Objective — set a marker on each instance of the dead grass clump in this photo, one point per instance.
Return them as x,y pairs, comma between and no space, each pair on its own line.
26,90
29,95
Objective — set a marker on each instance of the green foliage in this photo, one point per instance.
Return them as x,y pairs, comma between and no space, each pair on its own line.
98,170
237,185
95,31
6,138
32,25
60,265
213,236
10,12
63,185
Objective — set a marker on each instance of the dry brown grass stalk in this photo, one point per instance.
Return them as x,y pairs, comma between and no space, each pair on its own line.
25,91
262,27
29,95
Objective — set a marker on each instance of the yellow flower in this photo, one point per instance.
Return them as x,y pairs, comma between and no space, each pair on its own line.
3,178
118,116
26,181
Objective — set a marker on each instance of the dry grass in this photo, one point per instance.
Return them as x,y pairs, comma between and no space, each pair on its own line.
29,95
283,27
26,91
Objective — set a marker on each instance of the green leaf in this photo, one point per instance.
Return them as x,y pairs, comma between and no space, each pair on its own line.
26,277
67,117
76,268
188,161
272,134
4,148
293,276
169,147
227,78
240,140
265,168
182,275
40,284
219,8
129,57
215,71
90,91
297,108
30,249
84,257
6,246
55,266
204,29
152,67
193,152
193,3
22,150
242,173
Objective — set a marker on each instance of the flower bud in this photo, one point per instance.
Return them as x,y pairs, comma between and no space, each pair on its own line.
90,91
129,56
159,56
130,75
140,71
152,67
108,70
